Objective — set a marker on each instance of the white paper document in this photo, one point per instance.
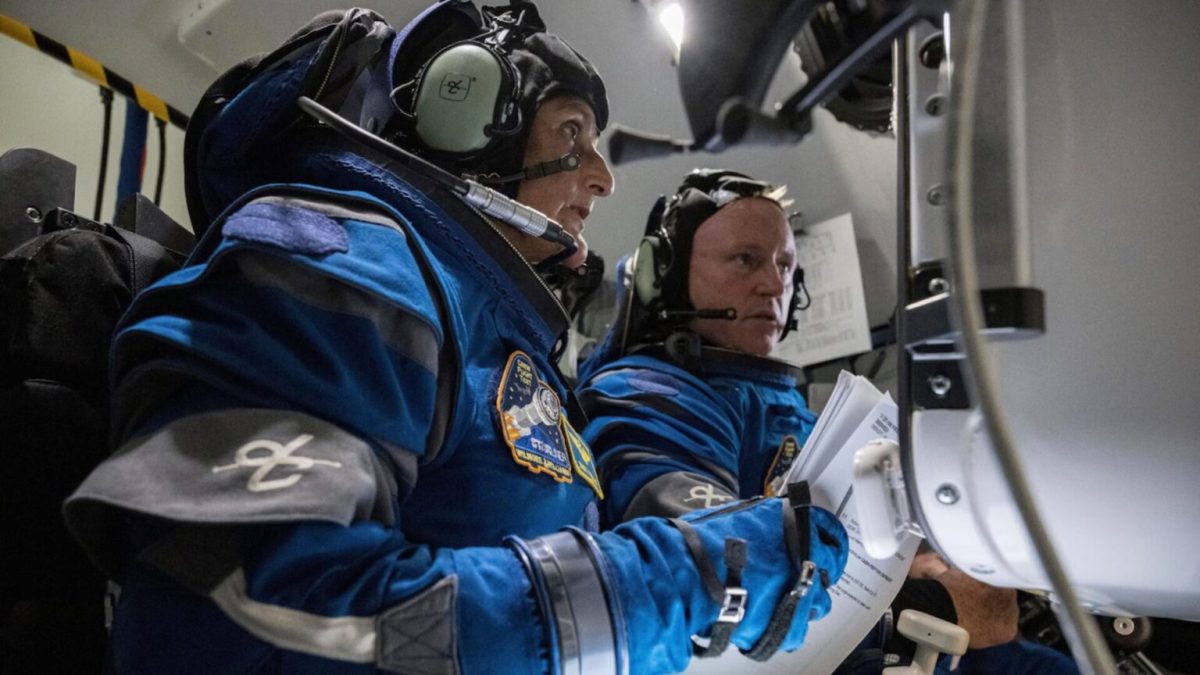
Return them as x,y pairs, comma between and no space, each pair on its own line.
857,413
835,325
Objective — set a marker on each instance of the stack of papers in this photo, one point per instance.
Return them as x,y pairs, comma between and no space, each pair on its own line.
856,414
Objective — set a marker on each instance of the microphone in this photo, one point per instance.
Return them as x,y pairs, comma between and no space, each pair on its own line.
728,313
527,220
530,221
568,162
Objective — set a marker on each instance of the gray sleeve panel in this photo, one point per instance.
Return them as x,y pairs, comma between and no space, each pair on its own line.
231,467
421,635
674,494
611,466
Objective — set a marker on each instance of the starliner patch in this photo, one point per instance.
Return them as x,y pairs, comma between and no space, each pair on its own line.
784,456
531,420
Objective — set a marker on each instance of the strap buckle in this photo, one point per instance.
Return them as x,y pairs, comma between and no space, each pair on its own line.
805,581
733,605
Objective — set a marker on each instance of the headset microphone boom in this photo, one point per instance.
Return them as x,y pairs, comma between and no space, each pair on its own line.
489,201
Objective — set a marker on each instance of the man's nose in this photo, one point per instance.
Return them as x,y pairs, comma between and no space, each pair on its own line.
596,172
771,281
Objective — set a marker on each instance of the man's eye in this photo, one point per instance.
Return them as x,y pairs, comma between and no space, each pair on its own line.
745,260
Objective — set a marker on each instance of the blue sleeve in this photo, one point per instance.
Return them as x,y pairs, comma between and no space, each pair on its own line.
350,336
648,422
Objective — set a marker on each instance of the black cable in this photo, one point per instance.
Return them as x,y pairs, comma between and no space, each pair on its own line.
162,160
106,97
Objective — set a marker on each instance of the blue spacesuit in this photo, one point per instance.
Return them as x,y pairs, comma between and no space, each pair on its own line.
670,441
343,444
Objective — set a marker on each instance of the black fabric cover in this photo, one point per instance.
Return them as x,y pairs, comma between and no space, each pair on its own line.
61,295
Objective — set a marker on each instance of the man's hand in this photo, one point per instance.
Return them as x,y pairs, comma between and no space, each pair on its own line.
989,614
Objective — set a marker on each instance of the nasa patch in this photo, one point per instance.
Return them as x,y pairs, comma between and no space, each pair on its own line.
784,456
530,420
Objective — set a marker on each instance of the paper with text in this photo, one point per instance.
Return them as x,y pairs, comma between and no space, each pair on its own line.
836,324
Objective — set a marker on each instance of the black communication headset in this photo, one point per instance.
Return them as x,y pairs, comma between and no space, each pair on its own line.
660,266
466,98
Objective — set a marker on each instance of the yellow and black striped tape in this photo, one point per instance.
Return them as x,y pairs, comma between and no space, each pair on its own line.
92,69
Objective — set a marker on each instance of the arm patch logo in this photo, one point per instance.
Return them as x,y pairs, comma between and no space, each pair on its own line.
581,458
530,415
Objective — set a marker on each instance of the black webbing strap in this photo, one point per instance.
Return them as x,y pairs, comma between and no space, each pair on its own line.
733,600
785,611
730,595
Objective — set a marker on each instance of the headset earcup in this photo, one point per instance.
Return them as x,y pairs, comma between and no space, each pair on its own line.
457,98
645,272
790,319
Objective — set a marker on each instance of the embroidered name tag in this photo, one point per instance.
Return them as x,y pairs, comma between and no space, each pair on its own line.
530,420
784,457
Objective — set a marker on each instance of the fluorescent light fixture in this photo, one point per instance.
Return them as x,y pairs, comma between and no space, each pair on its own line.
671,17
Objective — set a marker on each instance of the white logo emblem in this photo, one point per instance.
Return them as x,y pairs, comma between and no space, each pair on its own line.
706,493
278,453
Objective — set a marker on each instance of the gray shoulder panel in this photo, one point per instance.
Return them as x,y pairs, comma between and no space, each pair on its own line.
229,467
677,493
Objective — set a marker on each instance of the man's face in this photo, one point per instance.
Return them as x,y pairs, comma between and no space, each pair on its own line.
561,125
743,257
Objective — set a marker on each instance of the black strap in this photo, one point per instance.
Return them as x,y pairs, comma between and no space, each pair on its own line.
730,595
708,575
733,601
797,518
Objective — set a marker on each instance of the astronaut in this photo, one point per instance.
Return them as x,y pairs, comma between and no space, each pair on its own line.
325,421
687,409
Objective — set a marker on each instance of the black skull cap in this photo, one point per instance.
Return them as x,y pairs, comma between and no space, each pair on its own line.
550,68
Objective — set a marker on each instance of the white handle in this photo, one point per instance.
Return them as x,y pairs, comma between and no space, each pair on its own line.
879,492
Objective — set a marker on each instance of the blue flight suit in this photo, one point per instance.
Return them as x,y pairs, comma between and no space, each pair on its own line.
340,424
668,441
326,427
353,353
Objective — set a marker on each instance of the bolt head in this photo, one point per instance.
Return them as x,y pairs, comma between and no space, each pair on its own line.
1123,625
936,195
940,385
935,105
933,51
33,214
947,494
